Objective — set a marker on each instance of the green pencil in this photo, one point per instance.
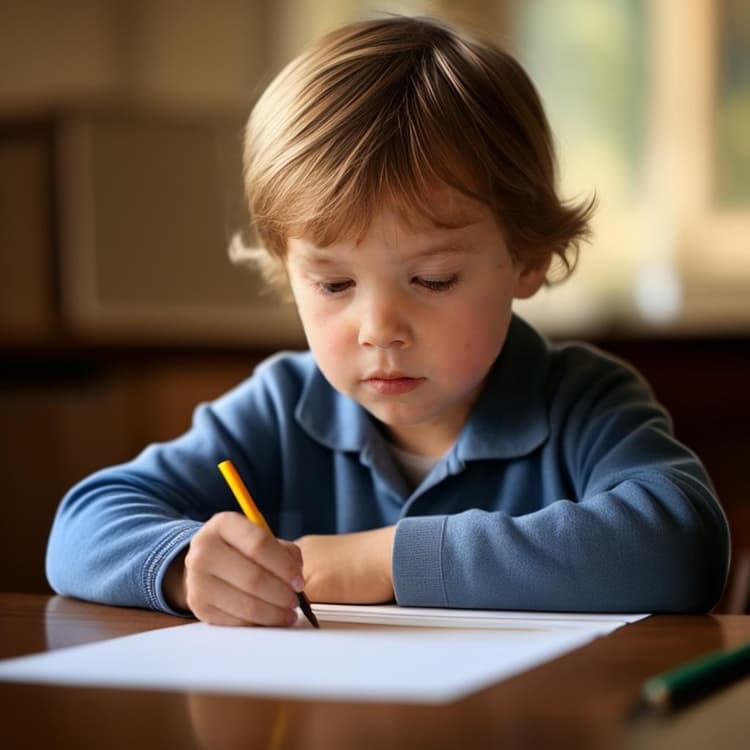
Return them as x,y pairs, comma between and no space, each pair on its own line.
691,680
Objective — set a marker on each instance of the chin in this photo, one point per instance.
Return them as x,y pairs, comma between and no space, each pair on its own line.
399,417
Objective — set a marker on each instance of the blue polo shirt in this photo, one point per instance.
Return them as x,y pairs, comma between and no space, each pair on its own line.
565,491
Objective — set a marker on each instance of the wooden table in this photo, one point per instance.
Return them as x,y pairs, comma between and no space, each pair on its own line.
585,699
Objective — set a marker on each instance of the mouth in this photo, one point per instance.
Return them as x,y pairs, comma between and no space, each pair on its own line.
392,384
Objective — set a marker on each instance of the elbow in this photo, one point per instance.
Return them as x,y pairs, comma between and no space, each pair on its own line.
694,579
692,566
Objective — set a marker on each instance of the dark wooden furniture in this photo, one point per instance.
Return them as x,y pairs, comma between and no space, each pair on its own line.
585,699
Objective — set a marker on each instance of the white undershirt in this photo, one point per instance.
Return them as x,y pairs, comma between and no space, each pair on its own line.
413,466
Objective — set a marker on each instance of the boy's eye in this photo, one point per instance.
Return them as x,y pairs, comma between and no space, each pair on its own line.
335,287
436,285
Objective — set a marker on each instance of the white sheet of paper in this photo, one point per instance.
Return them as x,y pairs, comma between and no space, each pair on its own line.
350,663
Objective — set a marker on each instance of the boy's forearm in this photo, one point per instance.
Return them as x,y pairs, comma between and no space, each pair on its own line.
353,568
593,556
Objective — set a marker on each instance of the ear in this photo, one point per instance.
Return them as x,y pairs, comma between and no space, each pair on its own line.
531,278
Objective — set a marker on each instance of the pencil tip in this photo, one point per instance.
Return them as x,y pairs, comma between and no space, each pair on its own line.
311,617
304,605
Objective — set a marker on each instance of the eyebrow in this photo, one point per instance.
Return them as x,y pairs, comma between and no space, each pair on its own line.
447,248
316,257
321,256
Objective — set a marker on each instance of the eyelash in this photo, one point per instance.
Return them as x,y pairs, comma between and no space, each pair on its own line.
438,285
335,288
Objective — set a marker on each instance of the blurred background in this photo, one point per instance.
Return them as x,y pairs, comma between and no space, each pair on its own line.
120,191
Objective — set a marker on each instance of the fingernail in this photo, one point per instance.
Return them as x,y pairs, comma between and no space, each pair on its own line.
291,618
297,583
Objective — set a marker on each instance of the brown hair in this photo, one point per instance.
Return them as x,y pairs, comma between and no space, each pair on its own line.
378,112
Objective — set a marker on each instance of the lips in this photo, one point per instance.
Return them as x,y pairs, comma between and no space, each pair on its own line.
392,384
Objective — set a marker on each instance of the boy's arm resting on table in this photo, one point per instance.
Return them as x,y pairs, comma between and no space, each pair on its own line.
119,533
115,546
630,549
115,538
643,532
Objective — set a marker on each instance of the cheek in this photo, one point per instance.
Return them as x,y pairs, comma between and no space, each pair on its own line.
314,320
474,339
329,339
327,342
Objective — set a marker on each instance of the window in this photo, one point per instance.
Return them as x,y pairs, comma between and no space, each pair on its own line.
651,105
649,101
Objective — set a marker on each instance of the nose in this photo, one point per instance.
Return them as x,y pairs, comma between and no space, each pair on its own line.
384,323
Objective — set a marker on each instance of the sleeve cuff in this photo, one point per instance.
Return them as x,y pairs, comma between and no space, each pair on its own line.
156,567
417,562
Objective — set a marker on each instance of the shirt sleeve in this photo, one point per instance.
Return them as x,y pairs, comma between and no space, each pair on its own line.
116,532
641,531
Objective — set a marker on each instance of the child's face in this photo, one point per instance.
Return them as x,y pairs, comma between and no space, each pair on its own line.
408,320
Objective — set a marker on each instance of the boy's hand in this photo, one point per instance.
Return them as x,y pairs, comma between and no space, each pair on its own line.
235,573
352,568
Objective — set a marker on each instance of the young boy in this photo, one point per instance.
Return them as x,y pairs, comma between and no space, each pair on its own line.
431,447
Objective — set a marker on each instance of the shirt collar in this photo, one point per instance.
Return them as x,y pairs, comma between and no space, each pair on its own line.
510,416
508,420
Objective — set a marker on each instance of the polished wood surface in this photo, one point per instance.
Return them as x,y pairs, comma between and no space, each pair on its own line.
586,699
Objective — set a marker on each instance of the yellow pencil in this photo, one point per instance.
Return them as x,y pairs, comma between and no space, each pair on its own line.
250,509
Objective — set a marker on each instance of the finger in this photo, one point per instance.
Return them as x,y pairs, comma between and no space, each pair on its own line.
257,545
294,550
214,616
226,563
213,600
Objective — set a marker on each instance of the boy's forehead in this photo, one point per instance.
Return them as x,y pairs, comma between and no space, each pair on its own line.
446,218
388,229
440,206
439,211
